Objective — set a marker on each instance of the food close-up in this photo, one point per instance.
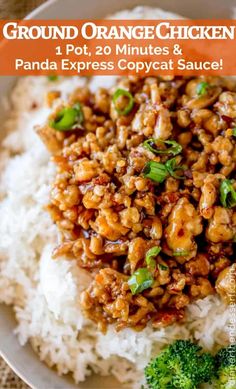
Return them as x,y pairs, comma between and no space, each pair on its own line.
118,225
144,194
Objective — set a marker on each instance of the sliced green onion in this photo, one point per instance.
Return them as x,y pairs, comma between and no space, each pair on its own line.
227,194
162,267
202,88
179,253
64,120
158,172
140,280
67,117
155,171
150,255
130,104
234,131
53,77
175,148
172,167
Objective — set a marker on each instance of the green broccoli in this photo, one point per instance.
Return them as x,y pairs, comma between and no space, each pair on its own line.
226,367
181,365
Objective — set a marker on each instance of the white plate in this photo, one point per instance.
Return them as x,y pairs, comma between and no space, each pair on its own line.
22,359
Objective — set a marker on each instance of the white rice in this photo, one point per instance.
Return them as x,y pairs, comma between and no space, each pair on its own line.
44,292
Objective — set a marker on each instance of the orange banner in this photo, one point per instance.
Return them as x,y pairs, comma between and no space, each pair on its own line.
118,47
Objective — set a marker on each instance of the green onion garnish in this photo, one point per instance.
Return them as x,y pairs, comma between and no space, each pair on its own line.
53,77
130,104
179,253
150,255
140,280
227,194
158,172
202,88
155,171
67,118
175,148
172,167
162,267
234,131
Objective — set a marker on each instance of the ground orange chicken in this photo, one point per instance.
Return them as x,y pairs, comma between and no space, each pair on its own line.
144,196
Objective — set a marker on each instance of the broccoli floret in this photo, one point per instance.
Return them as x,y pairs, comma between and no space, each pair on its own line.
181,365
226,367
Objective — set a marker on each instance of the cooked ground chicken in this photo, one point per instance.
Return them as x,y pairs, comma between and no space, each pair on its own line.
111,211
